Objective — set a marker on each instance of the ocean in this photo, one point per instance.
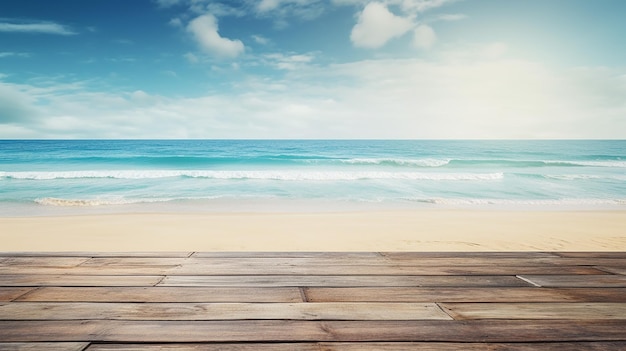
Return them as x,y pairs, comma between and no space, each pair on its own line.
48,177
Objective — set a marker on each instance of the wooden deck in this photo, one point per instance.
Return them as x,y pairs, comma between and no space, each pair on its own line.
388,301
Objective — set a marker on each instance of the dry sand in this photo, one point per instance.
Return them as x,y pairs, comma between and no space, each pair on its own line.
414,230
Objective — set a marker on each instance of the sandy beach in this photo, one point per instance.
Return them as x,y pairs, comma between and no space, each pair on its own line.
397,230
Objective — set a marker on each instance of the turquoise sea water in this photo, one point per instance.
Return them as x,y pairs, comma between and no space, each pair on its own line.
51,176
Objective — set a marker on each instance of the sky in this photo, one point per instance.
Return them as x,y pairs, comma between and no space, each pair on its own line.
323,69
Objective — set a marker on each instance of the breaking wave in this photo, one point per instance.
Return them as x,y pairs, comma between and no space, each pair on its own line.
259,175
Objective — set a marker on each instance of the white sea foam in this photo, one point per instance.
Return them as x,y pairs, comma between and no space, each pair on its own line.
521,202
582,177
426,162
52,201
259,175
614,164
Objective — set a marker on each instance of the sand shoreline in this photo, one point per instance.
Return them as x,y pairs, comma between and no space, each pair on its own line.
394,230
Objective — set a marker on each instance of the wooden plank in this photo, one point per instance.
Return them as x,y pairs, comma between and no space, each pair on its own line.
292,254
44,346
579,310
508,261
78,280
82,270
476,261
59,262
134,262
472,254
162,294
121,267
208,347
341,281
591,281
287,261
90,254
595,294
614,270
485,331
496,294
220,311
237,268
436,346
594,261
384,261
8,294
585,254
401,294
361,346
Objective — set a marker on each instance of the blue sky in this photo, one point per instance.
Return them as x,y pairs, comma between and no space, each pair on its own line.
493,69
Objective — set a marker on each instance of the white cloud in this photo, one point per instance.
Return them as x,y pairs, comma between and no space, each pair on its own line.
283,10
421,5
13,54
424,37
467,95
494,50
16,105
451,17
259,39
191,57
289,62
205,30
267,5
377,25
38,27
176,22
221,9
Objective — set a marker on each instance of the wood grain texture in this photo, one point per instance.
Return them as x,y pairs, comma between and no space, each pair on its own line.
44,346
323,301
55,262
341,281
78,280
90,254
508,311
307,331
338,346
614,270
220,311
400,294
161,294
607,254
236,268
580,281
8,294
284,254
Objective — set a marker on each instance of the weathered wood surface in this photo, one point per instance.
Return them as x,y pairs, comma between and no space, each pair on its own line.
160,294
233,269
303,331
338,346
274,301
584,310
8,294
78,280
494,294
615,270
44,346
341,280
577,281
222,311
